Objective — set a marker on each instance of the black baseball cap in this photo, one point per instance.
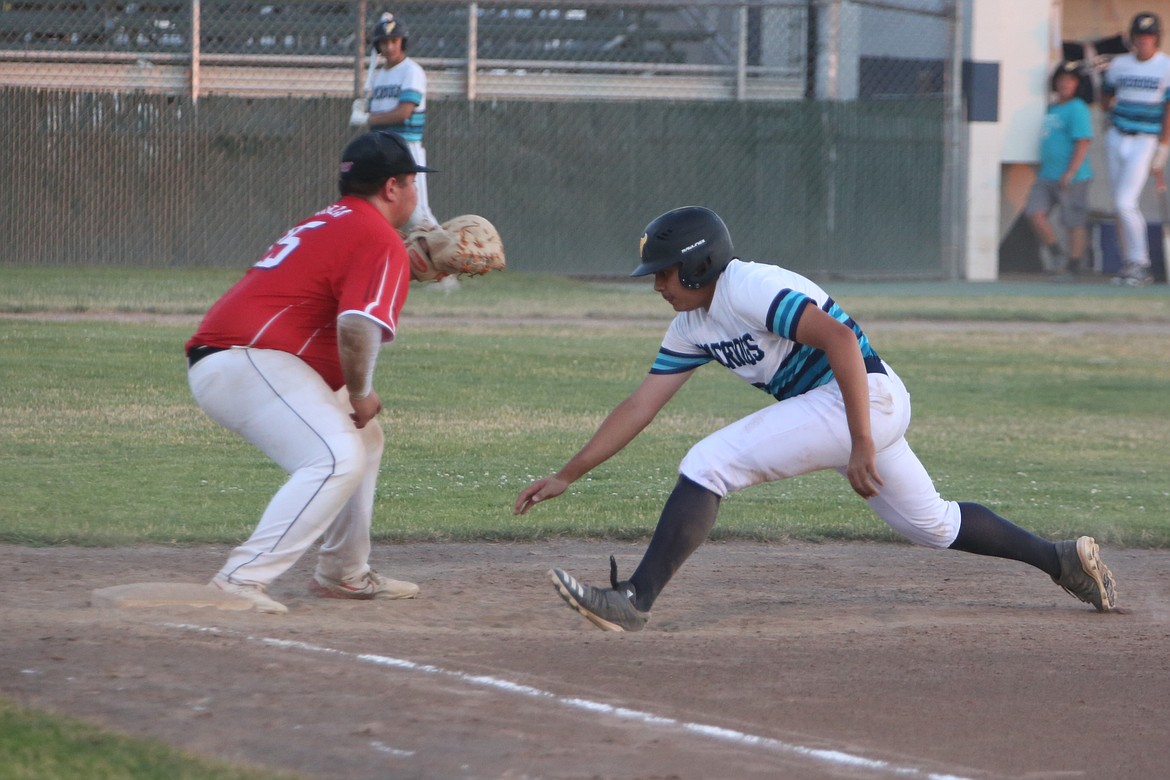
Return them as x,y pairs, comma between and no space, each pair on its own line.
376,156
1145,23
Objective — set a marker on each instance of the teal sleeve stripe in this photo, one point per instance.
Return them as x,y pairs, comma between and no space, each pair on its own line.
784,313
668,362
410,96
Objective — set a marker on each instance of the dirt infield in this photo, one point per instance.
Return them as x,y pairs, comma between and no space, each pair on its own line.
793,661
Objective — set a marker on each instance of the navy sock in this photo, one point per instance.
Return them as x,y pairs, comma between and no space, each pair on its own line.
687,518
983,532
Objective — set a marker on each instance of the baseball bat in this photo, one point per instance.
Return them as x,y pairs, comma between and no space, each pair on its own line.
362,102
370,67
1164,207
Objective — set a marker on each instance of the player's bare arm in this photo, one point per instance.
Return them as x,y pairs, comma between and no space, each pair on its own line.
1080,152
395,116
619,428
358,341
839,343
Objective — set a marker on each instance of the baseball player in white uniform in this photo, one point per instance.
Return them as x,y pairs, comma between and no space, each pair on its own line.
1136,88
838,406
398,102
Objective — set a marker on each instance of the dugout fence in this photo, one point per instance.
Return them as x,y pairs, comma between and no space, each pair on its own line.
190,133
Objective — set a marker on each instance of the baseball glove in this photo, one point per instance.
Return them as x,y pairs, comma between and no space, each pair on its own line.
468,244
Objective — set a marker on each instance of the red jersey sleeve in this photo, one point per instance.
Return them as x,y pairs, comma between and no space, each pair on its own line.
375,284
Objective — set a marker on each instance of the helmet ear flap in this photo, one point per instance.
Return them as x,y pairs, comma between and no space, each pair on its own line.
692,277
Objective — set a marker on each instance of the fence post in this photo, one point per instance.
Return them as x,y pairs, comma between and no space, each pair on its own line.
472,47
954,216
196,39
359,50
741,45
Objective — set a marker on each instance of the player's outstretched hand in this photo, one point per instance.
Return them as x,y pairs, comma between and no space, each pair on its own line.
365,409
540,490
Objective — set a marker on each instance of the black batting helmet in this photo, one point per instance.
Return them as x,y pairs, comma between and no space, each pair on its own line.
1145,23
388,26
693,238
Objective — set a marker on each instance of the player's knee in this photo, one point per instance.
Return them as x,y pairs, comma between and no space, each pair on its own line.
932,524
349,458
937,536
374,440
938,529
701,470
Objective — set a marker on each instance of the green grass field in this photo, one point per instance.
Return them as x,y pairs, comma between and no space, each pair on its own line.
102,443
500,382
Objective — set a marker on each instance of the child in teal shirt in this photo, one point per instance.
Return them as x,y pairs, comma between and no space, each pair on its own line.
1064,174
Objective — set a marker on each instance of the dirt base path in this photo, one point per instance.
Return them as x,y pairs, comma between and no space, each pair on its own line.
795,661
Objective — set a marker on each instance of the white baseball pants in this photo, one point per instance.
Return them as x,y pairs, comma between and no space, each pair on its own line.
278,403
1129,158
422,212
810,433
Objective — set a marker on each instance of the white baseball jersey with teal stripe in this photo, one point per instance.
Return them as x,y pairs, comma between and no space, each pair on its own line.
1142,90
406,82
750,329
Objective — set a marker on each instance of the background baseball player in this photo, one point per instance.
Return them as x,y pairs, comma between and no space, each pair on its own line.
839,406
398,102
1136,88
286,359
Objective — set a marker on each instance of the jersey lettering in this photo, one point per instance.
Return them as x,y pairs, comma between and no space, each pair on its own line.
1139,82
742,351
286,245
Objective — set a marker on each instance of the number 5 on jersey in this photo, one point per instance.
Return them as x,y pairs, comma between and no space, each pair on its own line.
284,247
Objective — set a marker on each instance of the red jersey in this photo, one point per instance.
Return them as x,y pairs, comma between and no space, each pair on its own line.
345,258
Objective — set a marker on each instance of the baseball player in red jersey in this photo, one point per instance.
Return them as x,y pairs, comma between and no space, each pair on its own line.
286,359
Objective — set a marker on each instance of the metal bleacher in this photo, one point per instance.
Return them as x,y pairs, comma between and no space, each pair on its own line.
314,47
323,28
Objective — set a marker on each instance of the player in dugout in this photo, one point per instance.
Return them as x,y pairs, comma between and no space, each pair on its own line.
838,406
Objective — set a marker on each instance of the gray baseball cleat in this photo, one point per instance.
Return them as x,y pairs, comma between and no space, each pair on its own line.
1082,574
1134,275
610,609
370,585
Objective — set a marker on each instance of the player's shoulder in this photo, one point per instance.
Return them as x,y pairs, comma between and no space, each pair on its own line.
356,217
1118,64
1078,108
754,274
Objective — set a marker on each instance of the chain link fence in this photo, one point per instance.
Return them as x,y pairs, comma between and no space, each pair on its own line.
193,132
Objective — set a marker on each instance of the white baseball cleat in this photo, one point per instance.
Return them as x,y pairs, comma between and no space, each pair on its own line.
253,592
